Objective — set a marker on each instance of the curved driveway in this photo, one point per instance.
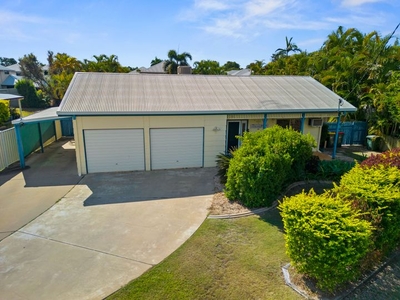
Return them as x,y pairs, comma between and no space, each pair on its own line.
106,231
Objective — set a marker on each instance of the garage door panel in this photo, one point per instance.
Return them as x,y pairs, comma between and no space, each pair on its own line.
114,150
176,148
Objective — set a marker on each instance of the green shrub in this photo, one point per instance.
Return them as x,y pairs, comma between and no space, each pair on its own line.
257,180
4,111
325,237
265,162
376,191
333,169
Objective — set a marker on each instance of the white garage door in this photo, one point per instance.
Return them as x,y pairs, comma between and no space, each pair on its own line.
114,150
176,148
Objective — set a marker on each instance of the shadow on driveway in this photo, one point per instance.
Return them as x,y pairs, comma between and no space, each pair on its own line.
112,188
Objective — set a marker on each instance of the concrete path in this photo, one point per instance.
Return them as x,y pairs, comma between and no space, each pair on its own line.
108,230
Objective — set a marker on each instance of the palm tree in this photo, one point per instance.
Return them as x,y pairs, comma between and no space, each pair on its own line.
290,47
155,61
176,59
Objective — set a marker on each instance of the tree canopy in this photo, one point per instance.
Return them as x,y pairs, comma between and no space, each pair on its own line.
6,61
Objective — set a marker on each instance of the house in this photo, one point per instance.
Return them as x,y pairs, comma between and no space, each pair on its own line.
125,122
155,69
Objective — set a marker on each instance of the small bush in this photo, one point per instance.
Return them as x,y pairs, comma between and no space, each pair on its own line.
375,191
223,161
390,158
325,237
4,111
333,169
312,164
265,162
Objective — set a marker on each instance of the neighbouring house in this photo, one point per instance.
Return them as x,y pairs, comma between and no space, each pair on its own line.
125,122
156,69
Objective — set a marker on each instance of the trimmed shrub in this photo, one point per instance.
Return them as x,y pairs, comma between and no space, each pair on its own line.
325,237
375,191
390,158
265,162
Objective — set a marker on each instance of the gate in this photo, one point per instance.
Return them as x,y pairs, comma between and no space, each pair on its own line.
66,127
355,133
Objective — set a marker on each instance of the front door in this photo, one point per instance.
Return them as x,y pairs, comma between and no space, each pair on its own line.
235,128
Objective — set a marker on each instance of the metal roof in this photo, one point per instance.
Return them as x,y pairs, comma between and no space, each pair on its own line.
49,114
3,68
10,97
159,94
11,80
242,72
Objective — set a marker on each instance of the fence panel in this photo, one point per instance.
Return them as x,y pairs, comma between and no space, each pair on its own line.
355,133
8,148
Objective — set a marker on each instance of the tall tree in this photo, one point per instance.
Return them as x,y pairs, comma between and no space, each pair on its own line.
282,52
33,70
256,67
176,59
5,61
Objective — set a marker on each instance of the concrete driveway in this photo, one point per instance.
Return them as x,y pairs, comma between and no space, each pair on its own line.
106,231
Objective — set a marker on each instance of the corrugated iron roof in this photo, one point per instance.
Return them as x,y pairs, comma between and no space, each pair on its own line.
158,94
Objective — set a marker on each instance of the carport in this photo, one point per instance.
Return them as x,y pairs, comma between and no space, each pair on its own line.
40,119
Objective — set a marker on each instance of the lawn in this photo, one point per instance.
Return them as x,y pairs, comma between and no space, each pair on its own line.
224,259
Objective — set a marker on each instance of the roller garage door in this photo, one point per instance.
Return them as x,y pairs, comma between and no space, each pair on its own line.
173,148
114,150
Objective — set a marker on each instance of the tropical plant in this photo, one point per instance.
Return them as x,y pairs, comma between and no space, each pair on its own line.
283,52
155,61
32,98
390,158
223,160
176,59
104,63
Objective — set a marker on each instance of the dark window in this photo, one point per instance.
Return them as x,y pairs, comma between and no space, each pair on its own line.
294,123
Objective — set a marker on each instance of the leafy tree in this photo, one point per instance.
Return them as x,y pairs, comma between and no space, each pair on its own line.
257,67
176,59
231,65
104,63
32,98
207,67
4,111
5,61
32,69
155,61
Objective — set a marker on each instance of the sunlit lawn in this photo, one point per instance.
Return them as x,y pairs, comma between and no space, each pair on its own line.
224,259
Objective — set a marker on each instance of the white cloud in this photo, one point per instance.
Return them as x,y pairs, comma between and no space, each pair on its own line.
9,17
352,3
264,7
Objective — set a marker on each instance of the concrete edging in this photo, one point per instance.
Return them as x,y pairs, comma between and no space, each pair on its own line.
265,209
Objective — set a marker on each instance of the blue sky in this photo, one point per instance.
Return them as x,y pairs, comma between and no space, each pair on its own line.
223,30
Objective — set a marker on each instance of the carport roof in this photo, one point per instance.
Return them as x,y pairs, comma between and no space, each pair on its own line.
159,94
49,114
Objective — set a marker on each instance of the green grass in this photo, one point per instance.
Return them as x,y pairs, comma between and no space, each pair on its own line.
224,259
